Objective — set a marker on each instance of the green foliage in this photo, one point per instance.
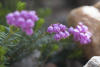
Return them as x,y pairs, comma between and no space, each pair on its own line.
39,24
2,28
0,5
44,12
55,47
21,5
2,65
10,4
3,12
3,51
3,34
75,54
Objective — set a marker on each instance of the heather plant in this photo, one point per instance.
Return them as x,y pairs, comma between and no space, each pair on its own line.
24,33
80,33
21,43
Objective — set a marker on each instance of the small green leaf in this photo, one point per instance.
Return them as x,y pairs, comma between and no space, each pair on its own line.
55,47
21,5
2,50
2,28
13,29
39,24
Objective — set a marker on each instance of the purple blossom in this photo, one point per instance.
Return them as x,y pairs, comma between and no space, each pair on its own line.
84,39
31,13
59,30
62,27
16,14
76,34
79,28
84,28
29,31
10,18
82,34
67,34
56,29
50,29
57,37
35,17
24,14
21,22
54,25
80,23
29,23
70,30
88,34
62,34
24,20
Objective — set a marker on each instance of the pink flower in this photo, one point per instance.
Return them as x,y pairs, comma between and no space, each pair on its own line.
82,34
29,23
24,20
29,31
57,37
50,29
59,30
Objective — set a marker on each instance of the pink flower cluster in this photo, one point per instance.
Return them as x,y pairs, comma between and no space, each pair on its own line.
24,20
81,33
59,30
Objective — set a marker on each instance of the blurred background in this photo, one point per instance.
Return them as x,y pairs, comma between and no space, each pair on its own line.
60,8
57,11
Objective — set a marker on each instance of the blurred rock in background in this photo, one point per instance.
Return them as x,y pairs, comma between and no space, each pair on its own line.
90,16
97,5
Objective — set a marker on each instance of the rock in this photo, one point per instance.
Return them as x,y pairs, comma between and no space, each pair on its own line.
50,65
30,61
76,63
93,62
90,16
97,5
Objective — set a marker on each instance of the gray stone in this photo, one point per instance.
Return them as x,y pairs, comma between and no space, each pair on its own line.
30,61
93,62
